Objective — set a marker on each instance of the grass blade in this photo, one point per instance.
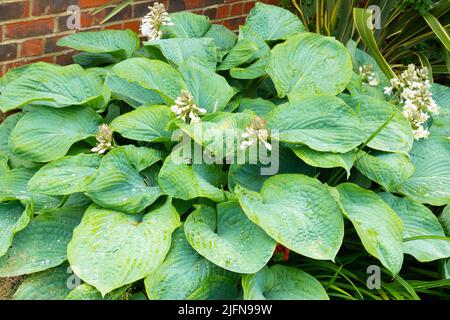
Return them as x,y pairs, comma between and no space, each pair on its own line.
361,18
438,29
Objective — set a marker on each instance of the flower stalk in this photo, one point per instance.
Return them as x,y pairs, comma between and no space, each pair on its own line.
104,139
256,133
412,89
154,21
185,108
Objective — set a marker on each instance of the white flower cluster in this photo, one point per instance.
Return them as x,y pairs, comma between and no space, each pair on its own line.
412,88
104,139
255,133
368,75
154,20
185,108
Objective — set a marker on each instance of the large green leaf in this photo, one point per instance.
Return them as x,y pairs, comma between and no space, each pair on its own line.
444,219
3,164
273,23
147,73
41,245
146,123
110,249
298,212
132,92
91,60
65,176
13,186
119,185
325,159
12,75
309,64
44,133
418,220
253,176
441,122
13,218
87,292
210,90
224,38
55,86
253,71
323,123
52,284
258,105
430,182
282,283
246,33
242,52
395,137
119,43
179,49
186,25
6,127
220,132
185,275
228,238
378,226
387,169
183,180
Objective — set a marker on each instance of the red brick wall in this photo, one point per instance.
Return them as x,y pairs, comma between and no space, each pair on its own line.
29,29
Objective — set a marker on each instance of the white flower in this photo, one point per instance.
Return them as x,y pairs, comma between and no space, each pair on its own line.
185,108
420,132
255,133
368,75
412,89
388,90
154,20
104,139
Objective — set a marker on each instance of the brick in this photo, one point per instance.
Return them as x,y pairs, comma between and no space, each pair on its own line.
91,3
64,59
29,29
117,26
210,2
192,4
223,12
87,20
248,6
14,10
8,51
176,5
62,23
141,9
33,47
51,46
44,7
233,24
236,10
211,13
14,65
125,14
40,59
132,25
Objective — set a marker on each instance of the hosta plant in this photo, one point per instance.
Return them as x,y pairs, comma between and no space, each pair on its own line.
201,164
